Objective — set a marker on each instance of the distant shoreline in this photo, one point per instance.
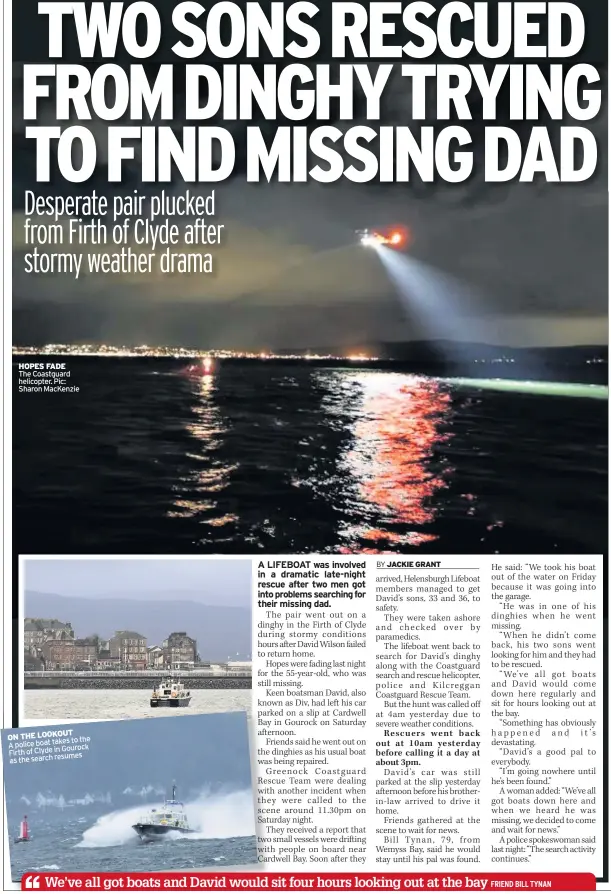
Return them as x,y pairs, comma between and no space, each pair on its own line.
574,365
236,681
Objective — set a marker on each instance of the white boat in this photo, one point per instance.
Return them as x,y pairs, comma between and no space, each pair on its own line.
170,694
169,818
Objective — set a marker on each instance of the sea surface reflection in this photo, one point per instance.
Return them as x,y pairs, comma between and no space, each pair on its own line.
395,461
207,475
295,459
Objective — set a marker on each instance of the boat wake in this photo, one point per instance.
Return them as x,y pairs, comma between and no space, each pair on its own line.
212,816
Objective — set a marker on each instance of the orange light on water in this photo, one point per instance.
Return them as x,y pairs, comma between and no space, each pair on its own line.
392,462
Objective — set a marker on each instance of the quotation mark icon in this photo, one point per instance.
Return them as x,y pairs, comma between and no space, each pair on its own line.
32,882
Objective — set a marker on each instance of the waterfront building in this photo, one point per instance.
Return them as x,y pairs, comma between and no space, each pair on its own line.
130,648
37,631
179,651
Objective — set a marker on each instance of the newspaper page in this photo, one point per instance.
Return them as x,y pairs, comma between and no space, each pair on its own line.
306,446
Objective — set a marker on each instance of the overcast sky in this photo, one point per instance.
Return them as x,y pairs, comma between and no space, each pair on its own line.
210,581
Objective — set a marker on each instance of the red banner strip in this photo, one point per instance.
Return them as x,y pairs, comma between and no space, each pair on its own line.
362,881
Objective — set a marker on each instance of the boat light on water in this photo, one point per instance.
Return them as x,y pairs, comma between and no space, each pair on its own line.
204,368
158,822
546,389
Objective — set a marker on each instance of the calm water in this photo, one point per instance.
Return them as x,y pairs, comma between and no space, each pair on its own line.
147,459
123,704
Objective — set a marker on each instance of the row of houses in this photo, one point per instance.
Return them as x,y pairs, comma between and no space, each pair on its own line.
51,644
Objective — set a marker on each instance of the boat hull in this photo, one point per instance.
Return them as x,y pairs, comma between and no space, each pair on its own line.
21,840
171,702
152,832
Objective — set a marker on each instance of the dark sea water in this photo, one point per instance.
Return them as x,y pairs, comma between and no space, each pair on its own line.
148,458
63,841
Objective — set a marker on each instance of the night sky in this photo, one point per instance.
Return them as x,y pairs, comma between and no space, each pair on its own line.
532,257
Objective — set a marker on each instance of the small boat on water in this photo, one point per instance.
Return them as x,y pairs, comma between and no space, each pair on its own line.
203,369
24,831
170,694
169,818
